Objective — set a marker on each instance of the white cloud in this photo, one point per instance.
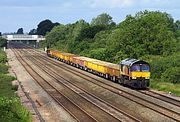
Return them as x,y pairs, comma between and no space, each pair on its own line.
110,3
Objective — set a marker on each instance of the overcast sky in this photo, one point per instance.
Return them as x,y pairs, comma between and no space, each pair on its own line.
27,14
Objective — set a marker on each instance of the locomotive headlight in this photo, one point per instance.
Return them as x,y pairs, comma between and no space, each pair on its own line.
147,77
133,77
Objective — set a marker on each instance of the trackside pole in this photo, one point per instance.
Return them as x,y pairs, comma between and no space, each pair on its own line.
45,49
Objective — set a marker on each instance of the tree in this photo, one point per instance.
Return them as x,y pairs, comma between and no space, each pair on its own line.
177,25
33,32
143,34
45,26
91,31
20,31
56,34
3,42
177,29
102,19
0,34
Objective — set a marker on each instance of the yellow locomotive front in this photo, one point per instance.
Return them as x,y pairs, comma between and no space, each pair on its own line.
140,75
135,73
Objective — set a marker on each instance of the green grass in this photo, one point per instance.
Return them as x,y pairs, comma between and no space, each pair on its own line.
165,86
6,88
11,109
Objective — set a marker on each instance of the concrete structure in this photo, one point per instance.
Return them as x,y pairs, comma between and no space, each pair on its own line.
32,40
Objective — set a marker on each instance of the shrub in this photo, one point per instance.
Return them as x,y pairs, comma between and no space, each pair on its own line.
3,68
6,88
12,111
2,42
172,75
3,57
164,65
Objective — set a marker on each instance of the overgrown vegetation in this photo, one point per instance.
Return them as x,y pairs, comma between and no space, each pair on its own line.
6,88
3,57
150,35
11,109
2,42
166,68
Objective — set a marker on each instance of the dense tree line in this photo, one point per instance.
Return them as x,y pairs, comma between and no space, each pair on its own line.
150,35
43,27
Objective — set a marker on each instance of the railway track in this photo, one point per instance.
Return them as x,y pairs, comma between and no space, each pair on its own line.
67,104
174,115
161,97
114,114
162,109
83,92
146,92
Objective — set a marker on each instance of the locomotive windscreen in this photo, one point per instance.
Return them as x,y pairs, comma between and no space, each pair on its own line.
140,68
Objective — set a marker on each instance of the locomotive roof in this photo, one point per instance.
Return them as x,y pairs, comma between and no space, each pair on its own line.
130,61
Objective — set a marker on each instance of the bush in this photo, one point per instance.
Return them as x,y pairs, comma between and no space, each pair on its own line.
3,68
3,57
12,111
6,88
2,42
171,75
164,65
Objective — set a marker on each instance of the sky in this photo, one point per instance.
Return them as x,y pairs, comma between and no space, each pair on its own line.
27,14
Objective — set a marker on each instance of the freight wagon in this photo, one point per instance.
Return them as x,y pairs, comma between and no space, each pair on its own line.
132,72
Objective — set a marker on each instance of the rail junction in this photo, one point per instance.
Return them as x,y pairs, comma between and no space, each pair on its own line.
87,97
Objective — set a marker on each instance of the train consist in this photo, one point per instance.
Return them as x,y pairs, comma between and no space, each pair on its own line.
132,72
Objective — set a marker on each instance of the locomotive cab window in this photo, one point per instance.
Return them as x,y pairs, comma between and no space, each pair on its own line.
145,68
140,68
136,68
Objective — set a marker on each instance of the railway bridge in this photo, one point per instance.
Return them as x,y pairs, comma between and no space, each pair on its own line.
32,40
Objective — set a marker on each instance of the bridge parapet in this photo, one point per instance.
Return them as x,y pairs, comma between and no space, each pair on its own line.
23,37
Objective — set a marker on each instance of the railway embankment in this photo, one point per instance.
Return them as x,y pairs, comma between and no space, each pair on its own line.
41,106
92,97
11,108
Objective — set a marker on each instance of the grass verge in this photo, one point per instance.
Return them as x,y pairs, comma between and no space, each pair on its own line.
6,88
11,109
165,86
